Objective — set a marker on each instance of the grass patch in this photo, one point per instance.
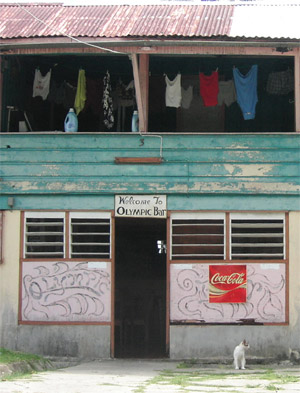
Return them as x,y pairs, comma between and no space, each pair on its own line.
15,376
140,389
25,364
252,386
187,364
272,388
204,379
271,375
7,356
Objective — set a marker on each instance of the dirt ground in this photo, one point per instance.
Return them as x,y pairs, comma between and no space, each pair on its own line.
152,376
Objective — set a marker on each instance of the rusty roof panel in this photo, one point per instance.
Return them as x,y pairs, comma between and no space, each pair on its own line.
114,21
124,21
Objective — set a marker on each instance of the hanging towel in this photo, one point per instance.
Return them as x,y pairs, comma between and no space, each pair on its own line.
246,91
187,97
209,88
80,97
41,84
173,91
227,93
280,83
107,102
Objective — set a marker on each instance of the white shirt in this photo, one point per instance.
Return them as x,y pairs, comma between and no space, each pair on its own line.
41,84
173,91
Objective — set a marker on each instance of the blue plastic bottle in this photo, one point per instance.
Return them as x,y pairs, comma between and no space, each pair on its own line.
135,122
71,121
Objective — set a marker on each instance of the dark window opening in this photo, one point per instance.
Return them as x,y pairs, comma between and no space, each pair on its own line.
275,109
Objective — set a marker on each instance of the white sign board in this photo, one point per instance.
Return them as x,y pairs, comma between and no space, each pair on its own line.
143,206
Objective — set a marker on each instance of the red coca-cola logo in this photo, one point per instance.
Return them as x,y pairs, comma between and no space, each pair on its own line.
227,283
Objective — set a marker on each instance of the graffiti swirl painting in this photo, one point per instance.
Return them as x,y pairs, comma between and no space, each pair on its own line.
66,291
190,294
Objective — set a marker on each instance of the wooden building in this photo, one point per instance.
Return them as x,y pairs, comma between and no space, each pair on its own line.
180,239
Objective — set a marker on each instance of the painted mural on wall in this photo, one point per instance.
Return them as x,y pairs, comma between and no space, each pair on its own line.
265,303
66,291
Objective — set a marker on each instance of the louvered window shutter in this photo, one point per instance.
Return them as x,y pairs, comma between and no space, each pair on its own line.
257,236
44,235
90,235
198,236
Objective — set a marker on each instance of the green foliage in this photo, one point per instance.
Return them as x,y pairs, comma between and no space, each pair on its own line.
7,356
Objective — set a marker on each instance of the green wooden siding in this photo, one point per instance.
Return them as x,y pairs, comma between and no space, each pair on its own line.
209,171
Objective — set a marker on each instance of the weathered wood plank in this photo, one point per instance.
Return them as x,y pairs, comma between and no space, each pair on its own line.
198,154
253,202
136,141
51,166
167,169
141,185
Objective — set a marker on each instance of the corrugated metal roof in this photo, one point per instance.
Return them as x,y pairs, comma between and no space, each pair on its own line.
124,21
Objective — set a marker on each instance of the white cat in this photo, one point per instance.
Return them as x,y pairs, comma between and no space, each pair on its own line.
239,355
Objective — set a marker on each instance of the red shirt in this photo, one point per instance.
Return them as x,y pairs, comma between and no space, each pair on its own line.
209,88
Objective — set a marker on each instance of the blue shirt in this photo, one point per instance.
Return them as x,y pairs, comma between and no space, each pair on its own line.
246,91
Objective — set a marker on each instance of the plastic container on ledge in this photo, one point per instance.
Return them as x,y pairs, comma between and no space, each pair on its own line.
135,122
71,121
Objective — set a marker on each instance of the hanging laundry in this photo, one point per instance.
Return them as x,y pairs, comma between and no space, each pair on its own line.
80,97
69,94
173,91
56,93
209,88
246,91
41,84
107,102
227,93
93,95
280,83
186,97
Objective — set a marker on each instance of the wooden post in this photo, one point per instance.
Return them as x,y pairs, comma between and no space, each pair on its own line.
144,81
138,93
1,91
297,90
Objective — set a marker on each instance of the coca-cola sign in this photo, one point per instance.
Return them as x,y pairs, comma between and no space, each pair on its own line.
227,283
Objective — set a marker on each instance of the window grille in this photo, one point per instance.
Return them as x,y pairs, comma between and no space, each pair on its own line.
199,237
90,236
257,237
44,235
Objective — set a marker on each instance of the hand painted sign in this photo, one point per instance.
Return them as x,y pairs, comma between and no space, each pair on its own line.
144,206
227,283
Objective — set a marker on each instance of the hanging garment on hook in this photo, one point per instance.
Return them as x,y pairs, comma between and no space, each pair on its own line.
173,91
187,97
80,97
107,101
41,84
209,88
246,91
280,83
227,93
